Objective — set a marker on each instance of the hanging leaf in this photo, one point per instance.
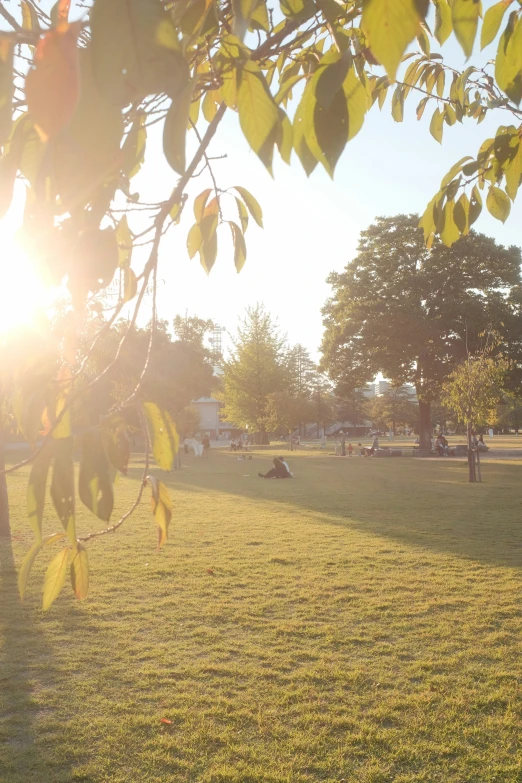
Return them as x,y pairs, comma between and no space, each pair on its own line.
136,50
95,482
513,172
87,155
252,204
475,205
80,571
55,578
52,86
492,21
133,151
25,570
301,121
498,204
390,25
436,125
208,248
62,484
357,101
243,214
194,240
117,445
175,129
285,137
6,88
161,508
398,104
465,16
36,489
242,10
163,434
449,233
461,213
508,62
239,246
258,112
29,17
443,23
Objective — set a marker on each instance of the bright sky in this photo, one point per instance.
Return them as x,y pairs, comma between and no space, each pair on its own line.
311,225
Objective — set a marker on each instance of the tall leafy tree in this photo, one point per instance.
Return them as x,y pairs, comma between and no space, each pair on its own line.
256,370
394,407
413,314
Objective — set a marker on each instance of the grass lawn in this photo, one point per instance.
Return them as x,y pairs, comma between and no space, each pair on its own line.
361,623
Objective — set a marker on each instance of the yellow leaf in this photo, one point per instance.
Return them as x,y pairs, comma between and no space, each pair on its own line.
465,16
450,233
390,26
55,578
164,436
161,508
443,23
25,570
80,572
492,21
258,112
436,125
498,204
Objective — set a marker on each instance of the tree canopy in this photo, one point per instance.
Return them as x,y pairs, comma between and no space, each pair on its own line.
413,313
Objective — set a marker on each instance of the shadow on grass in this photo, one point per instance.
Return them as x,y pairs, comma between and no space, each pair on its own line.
24,650
423,504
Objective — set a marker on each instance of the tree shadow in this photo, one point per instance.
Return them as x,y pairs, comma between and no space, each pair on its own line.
24,652
426,504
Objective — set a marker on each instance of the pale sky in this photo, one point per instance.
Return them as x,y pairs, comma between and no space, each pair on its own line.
311,225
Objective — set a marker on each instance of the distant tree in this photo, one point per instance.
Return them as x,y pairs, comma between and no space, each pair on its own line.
353,406
393,408
188,420
472,391
285,412
258,368
191,329
412,313
509,412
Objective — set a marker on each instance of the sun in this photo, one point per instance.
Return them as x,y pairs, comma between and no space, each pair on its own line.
23,296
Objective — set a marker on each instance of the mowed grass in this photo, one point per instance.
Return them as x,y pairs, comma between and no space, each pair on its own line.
362,622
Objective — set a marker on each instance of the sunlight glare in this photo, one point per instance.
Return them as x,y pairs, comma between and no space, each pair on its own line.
23,296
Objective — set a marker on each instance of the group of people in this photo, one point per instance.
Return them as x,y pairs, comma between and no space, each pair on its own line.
280,470
364,452
442,446
201,448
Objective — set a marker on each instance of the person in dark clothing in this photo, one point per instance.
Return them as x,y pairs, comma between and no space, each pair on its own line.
279,471
205,442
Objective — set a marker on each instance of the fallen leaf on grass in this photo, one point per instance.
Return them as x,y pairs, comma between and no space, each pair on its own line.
166,720
210,571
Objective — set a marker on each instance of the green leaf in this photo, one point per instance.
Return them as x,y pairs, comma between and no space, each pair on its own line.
422,106
305,107
175,129
239,246
6,89
62,484
300,10
287,86
259,19
252,204
208,249
461,214
492,21
436,125
163,434
87,156
443,23
465,16
513,173
55,578
133,151
398,104
285,137
80,571
136,50
25,570
258,112
95,481
124,239
475,205
357,101
390,25
117,445
36,488
508,62
161,508
498,204
455,169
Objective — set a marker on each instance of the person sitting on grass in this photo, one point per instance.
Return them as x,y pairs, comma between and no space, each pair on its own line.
285,463
278,471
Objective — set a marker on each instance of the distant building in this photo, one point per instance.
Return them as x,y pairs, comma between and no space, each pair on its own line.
208,409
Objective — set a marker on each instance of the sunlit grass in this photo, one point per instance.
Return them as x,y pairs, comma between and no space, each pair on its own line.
360,622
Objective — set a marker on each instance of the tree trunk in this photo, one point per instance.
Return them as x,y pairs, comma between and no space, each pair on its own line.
5,529
471,455
425,425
